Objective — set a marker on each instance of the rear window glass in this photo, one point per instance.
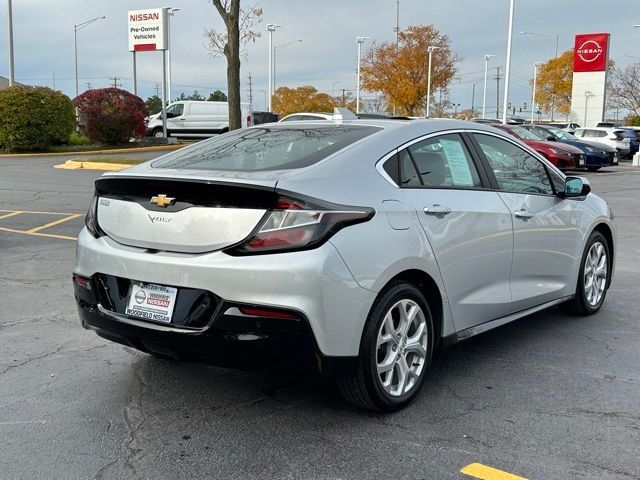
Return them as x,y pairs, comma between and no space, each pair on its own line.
261,149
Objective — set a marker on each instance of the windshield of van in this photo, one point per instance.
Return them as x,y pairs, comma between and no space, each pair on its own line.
262,148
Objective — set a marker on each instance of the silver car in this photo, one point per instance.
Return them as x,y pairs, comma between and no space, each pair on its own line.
352,248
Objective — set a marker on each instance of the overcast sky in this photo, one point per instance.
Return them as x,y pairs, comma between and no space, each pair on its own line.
43,37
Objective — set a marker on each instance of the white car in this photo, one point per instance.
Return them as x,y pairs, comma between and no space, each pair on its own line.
614,137
296,117
196,119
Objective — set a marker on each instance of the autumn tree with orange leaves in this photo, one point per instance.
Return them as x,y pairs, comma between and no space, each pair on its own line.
554,84
401,74
302,99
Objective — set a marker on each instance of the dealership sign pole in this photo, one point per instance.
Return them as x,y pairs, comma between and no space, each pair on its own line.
148,33
590,61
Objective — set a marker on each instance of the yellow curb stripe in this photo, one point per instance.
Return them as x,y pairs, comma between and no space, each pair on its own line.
42,213
484,472
12,214
36,234
73,165
159,148
55,222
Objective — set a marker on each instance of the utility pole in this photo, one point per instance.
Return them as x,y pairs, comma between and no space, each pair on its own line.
250,90
497,79
344,97
115,82
157,90
88,85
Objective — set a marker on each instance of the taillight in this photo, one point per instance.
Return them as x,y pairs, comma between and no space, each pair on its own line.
267,312
91,219
299,225
248,120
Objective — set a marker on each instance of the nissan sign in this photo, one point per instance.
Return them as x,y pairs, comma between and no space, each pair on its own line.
147,29
591,52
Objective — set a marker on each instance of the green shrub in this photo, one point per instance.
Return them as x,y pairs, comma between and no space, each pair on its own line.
78,139
111,115
34,118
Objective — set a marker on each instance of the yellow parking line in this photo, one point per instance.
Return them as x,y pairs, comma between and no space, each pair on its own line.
483,472
56,222
36,234
42,213
12,214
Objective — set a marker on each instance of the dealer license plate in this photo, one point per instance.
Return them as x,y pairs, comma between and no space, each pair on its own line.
152,302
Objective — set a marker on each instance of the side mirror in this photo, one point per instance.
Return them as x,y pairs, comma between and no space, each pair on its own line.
551,138
576,187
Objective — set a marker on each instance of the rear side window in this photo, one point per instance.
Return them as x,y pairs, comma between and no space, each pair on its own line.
408,174
261,148
444,162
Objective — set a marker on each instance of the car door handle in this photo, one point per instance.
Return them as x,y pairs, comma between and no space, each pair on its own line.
524,214
437,210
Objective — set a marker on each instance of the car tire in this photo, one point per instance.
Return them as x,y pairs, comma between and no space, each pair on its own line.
593,169
405,343
157,133
593,284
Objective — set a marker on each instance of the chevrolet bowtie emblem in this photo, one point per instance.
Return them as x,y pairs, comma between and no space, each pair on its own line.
163,201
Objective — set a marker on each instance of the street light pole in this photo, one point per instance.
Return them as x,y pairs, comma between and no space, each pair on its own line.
271,28
359,41
430,50
12,78
170,12
484,95
587,94
76,29
507,72
557,37
533,97
275,49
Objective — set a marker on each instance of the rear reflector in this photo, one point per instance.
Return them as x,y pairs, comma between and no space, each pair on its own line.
266,312
82,281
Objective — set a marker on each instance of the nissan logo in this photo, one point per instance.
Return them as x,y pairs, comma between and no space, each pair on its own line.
140,297
590,51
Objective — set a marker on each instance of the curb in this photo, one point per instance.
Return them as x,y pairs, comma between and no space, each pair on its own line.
72,165
158,148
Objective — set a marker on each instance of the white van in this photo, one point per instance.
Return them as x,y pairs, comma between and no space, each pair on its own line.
196,119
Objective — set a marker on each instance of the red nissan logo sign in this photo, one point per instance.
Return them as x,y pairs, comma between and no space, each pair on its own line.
590,53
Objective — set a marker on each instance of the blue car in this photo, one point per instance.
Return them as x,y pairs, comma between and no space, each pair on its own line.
597,155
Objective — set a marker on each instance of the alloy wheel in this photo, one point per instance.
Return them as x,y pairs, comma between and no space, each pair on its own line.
401,351
595,273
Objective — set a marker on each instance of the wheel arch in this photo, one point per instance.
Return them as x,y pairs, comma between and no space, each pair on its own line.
429,288
607,233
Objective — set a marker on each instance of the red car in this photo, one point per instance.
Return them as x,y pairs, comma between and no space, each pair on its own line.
563,156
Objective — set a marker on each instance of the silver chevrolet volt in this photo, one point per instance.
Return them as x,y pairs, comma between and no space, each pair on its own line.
345,247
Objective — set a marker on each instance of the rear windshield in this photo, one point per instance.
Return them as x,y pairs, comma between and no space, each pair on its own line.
261,148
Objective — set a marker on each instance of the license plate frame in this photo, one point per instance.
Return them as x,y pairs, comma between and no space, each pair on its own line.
151,301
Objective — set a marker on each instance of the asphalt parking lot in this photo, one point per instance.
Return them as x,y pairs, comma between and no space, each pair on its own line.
547,397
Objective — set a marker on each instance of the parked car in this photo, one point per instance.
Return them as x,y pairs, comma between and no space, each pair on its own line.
609,124
568,126
196,119
353,248
614,137
264,117
634,141
565,157
596,155
297,117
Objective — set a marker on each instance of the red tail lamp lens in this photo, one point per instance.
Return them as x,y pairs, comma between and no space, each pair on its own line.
82,281
265,312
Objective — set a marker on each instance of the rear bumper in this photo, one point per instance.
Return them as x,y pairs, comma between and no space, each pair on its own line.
315,283
231,342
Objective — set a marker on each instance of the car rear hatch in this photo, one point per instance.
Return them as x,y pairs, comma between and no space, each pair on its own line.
180,214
